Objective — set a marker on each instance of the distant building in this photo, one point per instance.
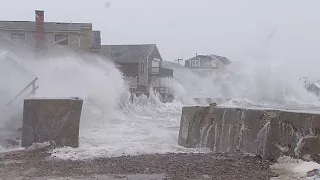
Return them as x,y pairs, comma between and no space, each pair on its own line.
43,35
314,88
141,66
207,65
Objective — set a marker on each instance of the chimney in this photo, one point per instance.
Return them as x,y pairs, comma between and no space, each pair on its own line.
39,29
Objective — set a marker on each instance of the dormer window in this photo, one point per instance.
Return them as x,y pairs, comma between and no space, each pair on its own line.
195,63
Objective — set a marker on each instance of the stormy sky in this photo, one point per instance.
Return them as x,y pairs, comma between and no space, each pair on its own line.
274,29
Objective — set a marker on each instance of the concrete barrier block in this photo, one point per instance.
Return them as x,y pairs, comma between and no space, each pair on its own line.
207,101
269,133
187,124
51,119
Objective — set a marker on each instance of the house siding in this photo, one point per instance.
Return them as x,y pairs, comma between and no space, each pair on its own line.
143,74
30,37
134,70
75,42
143,56
154,54
204,64
86,38
187,63
130,69
205,67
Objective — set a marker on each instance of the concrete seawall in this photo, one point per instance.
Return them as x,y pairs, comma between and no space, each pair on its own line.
205,101
55,119
269,133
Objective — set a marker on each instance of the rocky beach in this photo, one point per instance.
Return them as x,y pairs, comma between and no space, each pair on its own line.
40,165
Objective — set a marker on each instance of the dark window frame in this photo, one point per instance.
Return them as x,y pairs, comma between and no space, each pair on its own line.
142,68
195,63
17,36
61,39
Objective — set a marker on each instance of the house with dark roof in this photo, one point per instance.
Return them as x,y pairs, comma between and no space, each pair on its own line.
39,34
207,65
142,63
314,88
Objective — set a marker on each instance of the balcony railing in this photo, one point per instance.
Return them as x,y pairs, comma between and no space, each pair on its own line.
33,88
162,72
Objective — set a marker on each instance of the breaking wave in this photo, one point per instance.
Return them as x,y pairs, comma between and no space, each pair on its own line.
112,124
247,84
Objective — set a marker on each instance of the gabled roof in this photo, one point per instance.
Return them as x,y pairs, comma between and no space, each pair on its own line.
15,62
49,26
204,57
222,59
314,86
317,85
127,53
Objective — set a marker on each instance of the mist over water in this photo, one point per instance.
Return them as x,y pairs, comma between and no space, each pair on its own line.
112,125
266,83
252,81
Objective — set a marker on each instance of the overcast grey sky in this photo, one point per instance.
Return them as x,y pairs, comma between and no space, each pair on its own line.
182,28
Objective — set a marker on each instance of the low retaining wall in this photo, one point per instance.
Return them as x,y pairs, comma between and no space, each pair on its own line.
51,120
269,133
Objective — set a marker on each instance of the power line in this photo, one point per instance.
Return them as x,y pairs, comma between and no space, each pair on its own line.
179,59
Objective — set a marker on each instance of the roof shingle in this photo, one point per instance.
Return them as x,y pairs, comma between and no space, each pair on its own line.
127,53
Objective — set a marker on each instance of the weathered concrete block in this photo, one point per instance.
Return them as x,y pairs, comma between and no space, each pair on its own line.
269,133
55,119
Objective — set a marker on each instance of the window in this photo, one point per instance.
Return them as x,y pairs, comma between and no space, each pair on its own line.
18,36
155,66
142,68
156,62
195,63
61,39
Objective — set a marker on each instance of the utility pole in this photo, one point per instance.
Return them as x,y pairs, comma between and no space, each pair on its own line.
305,81
179,59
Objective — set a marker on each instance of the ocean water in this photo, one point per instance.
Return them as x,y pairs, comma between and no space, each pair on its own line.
293,169
112,125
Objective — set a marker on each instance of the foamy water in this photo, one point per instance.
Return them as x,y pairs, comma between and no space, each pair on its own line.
292,169
111,125
140,128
